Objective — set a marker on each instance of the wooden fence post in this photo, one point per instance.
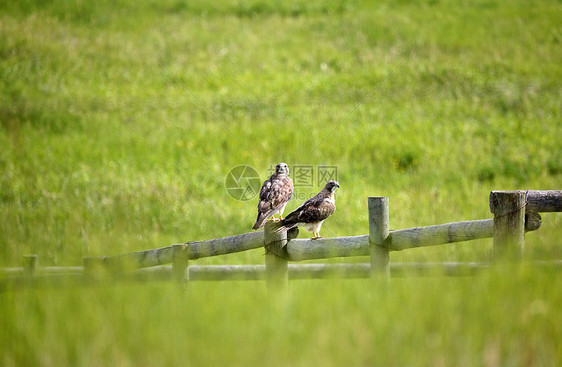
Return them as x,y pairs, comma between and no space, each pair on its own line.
508,208
378,236
94,268
29,266
276,264
180,262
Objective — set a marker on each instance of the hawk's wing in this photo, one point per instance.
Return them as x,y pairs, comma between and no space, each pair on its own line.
275,192
265,193
311,211
281,191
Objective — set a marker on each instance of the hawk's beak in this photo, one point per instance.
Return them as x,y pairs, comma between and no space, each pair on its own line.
338,185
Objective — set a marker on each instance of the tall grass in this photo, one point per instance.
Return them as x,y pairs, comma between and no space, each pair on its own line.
120,121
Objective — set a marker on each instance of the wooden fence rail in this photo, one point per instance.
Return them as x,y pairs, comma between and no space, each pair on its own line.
515,212
74,276
306,249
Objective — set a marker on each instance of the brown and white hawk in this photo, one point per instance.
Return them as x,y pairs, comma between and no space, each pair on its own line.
274,195
312,212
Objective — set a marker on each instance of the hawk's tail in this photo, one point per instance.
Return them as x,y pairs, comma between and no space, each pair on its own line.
260,221
281,226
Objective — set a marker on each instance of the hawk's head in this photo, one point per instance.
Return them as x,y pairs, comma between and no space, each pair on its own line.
282,169
332,185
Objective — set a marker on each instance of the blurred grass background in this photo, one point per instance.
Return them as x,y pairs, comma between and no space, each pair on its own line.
120,121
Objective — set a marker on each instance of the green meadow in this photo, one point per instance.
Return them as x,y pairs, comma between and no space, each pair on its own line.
120,121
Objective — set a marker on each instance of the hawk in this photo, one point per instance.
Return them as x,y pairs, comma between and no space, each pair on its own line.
274,195
312,212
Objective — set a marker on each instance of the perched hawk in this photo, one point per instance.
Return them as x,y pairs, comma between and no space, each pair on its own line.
274,195
312,212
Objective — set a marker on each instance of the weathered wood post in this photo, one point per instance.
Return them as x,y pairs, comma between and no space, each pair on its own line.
180,262
94,268
29,267
276,264
508,208
378,237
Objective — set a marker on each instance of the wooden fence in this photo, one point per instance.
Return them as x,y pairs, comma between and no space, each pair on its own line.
515,212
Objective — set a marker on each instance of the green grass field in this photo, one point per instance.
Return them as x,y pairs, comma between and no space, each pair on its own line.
120,121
